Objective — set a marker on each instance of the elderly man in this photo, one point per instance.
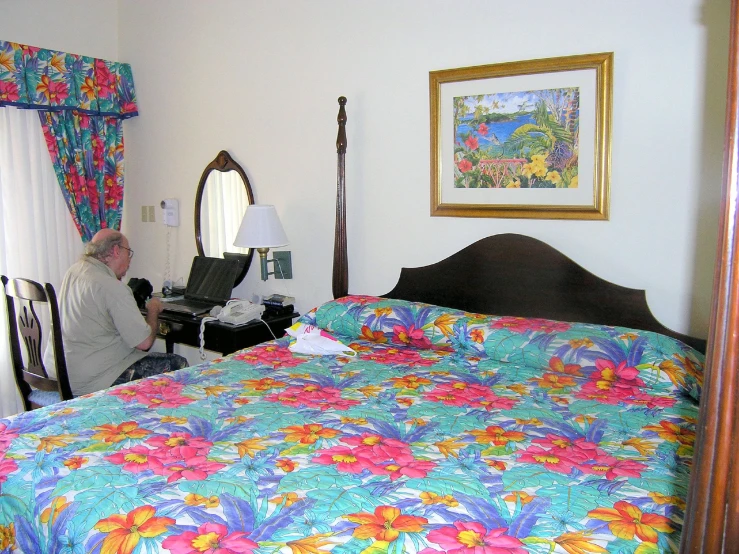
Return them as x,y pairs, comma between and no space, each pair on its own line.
105,335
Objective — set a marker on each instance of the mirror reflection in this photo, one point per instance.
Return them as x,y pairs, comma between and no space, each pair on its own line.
223,194
221,210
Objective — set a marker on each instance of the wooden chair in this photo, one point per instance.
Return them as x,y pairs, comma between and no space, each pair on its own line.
35,385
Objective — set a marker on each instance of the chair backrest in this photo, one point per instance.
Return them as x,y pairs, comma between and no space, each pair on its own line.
21,296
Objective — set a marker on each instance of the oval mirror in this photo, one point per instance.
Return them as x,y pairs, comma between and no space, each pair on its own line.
223,194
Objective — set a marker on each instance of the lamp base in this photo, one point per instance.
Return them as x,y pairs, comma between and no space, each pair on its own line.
263,262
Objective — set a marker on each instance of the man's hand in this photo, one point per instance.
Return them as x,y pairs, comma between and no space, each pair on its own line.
154,305
153,308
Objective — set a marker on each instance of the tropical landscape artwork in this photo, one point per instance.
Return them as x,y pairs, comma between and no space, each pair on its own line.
526,139
543,126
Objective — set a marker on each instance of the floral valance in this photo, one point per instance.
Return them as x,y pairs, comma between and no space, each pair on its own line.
43,79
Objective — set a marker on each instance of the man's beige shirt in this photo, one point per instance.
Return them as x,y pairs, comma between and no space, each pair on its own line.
101,326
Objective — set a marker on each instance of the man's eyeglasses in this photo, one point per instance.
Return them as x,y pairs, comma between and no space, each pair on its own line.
130,252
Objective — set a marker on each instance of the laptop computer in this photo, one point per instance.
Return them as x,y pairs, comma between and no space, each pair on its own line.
209,284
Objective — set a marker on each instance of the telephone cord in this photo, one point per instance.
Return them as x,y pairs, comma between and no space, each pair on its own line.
202,334
268,328
207,319
166,261
282,276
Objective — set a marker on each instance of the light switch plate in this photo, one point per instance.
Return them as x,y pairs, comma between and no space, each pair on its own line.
144,214
152,219
283,265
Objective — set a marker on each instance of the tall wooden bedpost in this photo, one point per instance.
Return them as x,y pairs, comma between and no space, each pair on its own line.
712,517
340,282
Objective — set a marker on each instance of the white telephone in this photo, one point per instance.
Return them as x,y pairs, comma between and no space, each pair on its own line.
235,312
238,312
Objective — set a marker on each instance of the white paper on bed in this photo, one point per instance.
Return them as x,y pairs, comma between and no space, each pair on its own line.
309,339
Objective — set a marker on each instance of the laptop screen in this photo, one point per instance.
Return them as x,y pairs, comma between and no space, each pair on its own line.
211,279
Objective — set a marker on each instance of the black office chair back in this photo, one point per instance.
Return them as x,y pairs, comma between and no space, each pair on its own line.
31,377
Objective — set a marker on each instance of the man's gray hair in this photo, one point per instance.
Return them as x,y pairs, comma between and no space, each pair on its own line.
102,249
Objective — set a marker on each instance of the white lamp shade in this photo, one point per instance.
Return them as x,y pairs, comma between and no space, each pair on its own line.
260,228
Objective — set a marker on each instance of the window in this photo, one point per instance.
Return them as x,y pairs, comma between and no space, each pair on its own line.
39,240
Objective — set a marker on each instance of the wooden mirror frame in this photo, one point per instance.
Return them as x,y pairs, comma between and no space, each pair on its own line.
223,163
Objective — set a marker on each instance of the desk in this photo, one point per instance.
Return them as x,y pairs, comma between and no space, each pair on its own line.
220,337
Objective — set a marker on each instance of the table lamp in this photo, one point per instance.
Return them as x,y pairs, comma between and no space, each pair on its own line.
261,229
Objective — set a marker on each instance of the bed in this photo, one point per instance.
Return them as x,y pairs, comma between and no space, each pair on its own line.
445,430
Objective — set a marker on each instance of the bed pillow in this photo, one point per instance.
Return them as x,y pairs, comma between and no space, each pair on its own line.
397,322
536,343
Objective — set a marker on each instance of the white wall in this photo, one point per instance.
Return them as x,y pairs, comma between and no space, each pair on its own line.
54,25
261,79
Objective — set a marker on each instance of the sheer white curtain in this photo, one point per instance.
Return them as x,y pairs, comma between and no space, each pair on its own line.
38,239
224,195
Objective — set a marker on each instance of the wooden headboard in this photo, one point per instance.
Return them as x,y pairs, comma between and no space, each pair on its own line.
505,274
511,274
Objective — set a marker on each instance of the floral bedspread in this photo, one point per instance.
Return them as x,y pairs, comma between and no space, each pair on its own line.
447,432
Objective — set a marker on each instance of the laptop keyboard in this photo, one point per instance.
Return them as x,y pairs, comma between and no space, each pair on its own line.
190,303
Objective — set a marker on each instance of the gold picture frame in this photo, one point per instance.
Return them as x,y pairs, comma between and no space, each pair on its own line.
528,139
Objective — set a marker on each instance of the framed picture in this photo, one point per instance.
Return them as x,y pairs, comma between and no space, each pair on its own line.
527,139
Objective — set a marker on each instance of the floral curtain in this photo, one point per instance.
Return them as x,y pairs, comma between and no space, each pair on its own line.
82,102
43,79
87,154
